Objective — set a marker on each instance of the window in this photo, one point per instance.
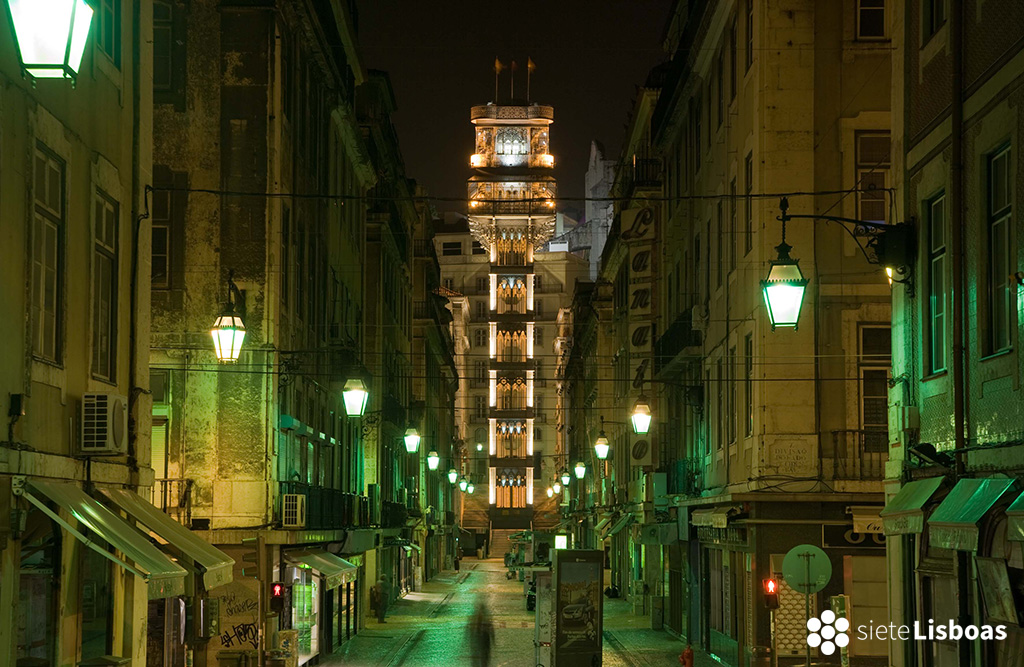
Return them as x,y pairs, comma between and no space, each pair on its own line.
107,28
748,212
537,432
481,310
720,403
480,371
720,246
448,285
870,19
538,308
451,248
480,407
748,382
482,285
698,292
935,212
933,14
538,281
40,564
48,256
160,273
478,249
730,413
163,40
875,361
750,34
538,336
480,338
286,254
872,175
1000,295
104,288
96,603
732,225
695,109
720,86
734,74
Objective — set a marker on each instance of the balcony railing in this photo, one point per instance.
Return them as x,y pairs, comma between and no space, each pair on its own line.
678,337
856,455
174,497
393,515
328,509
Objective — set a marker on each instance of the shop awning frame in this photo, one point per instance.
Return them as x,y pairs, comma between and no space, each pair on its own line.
714,517
217,566
1015,520
623,522
904,514
164,578
954,523
335,571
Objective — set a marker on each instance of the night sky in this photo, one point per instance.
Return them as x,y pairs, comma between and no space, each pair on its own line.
590,56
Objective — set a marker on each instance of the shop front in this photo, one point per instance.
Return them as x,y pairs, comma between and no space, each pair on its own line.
324,600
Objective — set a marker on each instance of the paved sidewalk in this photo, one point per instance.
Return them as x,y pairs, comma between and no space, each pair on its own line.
429,627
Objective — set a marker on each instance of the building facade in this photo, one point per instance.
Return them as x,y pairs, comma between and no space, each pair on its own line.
953,480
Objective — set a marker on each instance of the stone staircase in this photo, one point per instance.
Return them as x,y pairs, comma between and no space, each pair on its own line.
500,542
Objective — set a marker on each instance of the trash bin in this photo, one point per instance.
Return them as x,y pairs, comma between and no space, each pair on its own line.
761,656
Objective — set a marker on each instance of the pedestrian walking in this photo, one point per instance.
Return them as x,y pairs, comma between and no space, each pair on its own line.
481,635
686,657
379,598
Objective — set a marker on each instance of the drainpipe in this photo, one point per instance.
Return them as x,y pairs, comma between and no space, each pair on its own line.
963,558
135,391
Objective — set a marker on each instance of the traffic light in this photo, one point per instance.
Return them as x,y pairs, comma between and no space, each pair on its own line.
771,594
277,595
252,558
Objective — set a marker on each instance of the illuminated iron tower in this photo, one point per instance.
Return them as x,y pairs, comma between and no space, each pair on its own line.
511,214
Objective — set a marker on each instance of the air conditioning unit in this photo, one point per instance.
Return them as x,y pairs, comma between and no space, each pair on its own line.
104,425
293,510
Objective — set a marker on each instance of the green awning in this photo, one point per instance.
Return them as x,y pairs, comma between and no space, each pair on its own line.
1015,520
164,577
954,523
217,565
336,571
601,524
904,515
620,524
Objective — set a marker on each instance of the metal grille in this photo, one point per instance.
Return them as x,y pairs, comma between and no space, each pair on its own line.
293,510
95,422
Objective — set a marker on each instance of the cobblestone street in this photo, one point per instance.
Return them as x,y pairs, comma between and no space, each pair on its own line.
429,627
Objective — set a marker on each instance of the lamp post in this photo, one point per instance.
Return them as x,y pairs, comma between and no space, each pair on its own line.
565,477
228,331
50,35
433,459
463,483
412,440
580,469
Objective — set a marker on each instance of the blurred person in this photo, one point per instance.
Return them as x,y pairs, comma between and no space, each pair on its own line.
481,635
379,598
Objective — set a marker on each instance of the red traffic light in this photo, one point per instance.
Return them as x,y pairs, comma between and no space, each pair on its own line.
277,590
771,594
770,586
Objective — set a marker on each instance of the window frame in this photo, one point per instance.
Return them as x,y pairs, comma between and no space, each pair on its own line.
749,27
43,218
932,22
859,11
935,355
996,248
748,222
107,44
105,252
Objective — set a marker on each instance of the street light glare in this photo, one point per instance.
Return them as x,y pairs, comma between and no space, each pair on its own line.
412,440
228,332
641,417
355,397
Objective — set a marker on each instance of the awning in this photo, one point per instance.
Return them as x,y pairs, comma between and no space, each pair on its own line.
164,577
601,524
904,515
954,523
716,517
620,524
1015,520
217,565
866,520
659,533
336,571
417,547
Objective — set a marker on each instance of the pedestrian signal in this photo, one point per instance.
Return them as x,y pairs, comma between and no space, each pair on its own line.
771,594
277,595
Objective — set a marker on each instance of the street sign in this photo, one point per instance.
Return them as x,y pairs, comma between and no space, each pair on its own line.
806,569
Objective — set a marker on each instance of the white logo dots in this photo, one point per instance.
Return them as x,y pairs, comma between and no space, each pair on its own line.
828,632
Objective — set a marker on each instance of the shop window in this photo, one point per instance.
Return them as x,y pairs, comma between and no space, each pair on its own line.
96,604
37,600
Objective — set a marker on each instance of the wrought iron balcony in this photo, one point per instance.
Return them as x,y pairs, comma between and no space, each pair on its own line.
855,455
680,339
329,509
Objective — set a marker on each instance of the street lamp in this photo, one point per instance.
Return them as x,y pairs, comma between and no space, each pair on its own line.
355,396
784,287
50,35
470,487
463,483
433,459
550,492
565,478
601,444
479,446
581,469
453,476
556,487
412,440
228,331
641,417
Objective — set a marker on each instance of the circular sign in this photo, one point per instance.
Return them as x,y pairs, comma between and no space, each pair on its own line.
806,569
640,450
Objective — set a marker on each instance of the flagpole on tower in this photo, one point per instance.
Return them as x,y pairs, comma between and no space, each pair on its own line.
497,70
530,66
